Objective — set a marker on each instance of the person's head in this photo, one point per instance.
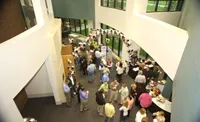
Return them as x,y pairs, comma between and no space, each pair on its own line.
66,82
110,101
101,91
144,119
130,97
142,111
90,62
124,85
140,72
69,74
133,86
125,103
106,82
82,88
115,81
161,113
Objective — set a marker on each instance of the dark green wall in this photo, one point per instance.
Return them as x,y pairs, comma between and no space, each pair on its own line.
77,9
186,85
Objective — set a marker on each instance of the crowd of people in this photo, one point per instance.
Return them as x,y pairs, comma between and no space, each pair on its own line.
110,92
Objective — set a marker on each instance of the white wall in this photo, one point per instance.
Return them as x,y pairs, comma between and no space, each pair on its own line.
140,6
164,42
39,86
23,55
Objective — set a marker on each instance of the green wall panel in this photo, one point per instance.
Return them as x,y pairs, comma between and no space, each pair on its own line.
77,9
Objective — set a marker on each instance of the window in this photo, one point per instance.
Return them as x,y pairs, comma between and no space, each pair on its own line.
118,4
164,5
115,43
28,13
76,26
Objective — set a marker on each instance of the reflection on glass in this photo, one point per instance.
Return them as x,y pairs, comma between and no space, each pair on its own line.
173,5
111,3
124,5
163,5
105,2
151,6
118,4
28,13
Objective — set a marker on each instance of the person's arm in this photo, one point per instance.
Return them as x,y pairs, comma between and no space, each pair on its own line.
100,87
121,108
120,90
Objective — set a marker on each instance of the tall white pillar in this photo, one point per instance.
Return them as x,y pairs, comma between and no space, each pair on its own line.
8,110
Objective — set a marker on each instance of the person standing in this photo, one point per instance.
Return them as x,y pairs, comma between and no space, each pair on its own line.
145,100
140,79
84,65
140,115
78,86
133,90
130,101
119,71
105,77
139,91
84,99
113,90
124,92
100,101
91,70
98,58
109,111
66,90
105,87
126,67
72,84
159,116
124,111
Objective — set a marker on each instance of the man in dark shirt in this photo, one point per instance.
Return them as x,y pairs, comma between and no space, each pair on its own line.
100,102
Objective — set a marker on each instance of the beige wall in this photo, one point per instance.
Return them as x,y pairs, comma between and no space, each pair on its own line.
164,42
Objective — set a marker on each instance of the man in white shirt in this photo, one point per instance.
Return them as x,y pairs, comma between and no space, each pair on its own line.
98,58
140,78
123,92
72,84
120,71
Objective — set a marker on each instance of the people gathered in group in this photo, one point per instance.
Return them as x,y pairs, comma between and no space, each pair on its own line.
112,90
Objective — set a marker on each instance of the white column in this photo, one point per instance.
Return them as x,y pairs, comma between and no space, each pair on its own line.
52,78
8,110
40,11
139,6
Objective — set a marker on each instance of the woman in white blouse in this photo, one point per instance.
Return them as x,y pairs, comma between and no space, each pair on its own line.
120,71
124,111
140,114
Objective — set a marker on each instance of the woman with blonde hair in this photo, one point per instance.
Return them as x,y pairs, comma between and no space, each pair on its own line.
160,116
124,111
140,114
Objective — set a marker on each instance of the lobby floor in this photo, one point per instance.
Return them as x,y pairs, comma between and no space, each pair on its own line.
45,110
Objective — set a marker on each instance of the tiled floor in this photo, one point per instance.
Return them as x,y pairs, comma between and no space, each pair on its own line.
45,110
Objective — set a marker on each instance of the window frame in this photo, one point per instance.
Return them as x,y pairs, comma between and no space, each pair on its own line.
115,4
179,6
